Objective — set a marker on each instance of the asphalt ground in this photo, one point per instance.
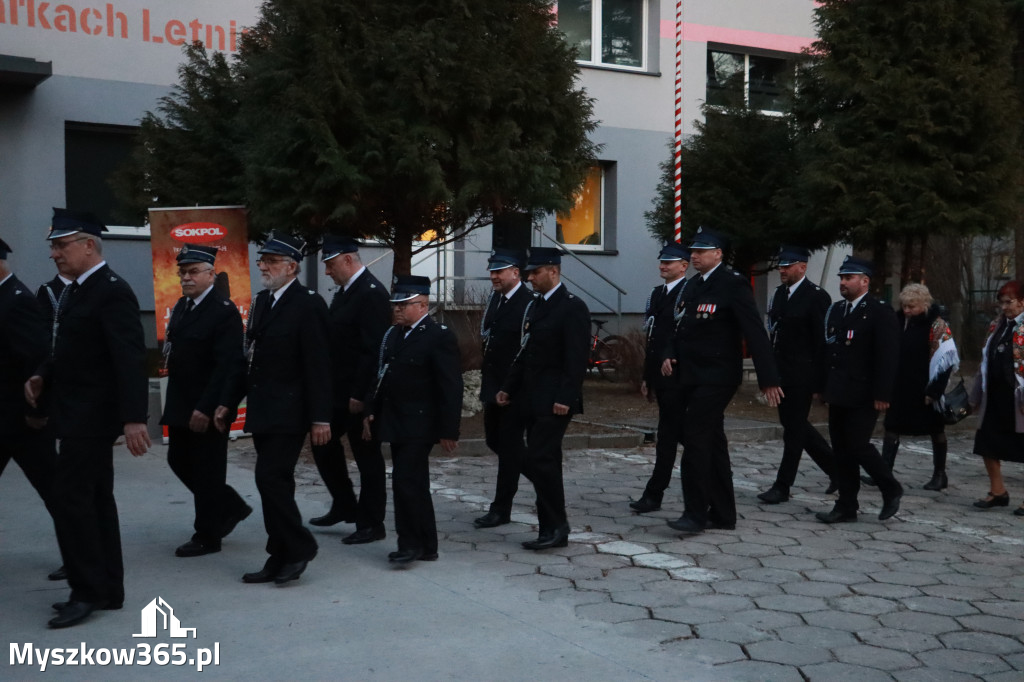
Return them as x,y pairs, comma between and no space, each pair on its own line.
935,594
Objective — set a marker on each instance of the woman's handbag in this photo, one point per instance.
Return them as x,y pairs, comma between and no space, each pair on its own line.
956,405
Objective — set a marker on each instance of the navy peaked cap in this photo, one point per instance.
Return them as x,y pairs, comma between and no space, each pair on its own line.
284,244
406,287
793,254
65,223
196,253
335,245
506,258
674,251
706,238
857,266
543,255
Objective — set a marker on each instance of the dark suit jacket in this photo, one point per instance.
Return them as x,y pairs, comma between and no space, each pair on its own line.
205,361
503,331
289,380
24,343
551,367
717,316
96,377
357,321
862,353
660,325
419,397
797,330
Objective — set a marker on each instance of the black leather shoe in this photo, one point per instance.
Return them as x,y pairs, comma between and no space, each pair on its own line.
61,574
429,557
405,556
234,520
867,480
332,518
109,606
937,482
290,571
72,614
833,487
645,504
994,501
718,525
556,538
365,535
685,524
492,519
196,548
1019,511
773,496
890,505
837,515
265,574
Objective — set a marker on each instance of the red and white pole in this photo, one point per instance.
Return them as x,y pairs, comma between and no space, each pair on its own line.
678,185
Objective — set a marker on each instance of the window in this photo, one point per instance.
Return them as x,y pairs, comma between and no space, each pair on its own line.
763,83
607,32
92,153
582,227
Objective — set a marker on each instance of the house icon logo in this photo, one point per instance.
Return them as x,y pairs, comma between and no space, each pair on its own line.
158,615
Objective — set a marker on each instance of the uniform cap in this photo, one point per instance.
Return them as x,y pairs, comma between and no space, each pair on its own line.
65,223
505,258
793,254
706,238
335,245
674,251
195,253
407,287
543,255
284,244
857,266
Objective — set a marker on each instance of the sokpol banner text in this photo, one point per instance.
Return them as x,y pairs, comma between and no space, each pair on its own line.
225,227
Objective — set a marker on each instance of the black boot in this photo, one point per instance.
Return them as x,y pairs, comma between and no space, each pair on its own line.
889,447
939,480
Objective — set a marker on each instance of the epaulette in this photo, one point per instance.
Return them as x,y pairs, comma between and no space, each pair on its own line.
571,296
443,326
225,303
311,292
17,291
113,279
373,286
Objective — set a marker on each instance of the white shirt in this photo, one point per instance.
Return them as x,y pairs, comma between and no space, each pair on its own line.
513,292
853,304
547,296
669,286
276,296
85,275
353,278
414,325
9,275
199,299
708,273
793,287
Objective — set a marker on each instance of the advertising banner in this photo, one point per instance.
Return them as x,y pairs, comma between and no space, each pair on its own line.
225,227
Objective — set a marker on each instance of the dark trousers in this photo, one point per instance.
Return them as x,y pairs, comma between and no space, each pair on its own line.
503,432
542,465
798,434
414,508
368,510
200,461
705,470
669,436
36,453
85,514
850,429
288,540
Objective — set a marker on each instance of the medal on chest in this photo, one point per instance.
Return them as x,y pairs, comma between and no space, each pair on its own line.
706,310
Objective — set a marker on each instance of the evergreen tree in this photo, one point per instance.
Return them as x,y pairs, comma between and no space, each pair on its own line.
910,123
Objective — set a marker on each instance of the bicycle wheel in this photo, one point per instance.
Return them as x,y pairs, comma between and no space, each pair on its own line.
608,357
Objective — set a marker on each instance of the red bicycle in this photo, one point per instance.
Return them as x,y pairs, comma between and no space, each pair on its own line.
605,352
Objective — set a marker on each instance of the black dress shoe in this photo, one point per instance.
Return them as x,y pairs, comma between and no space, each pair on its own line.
265,574
994,501
718,525
833,487
365,535
61,574
1019,511
432,556
332,518
685,524
196,548
72,614
492,519
645,504
773,496
890,505
549,540
290,571
837,515
405,556
109,606
937,482
234,520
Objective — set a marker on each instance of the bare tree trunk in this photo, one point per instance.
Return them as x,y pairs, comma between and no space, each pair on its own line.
403,251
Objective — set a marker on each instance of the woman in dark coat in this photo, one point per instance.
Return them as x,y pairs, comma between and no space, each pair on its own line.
927,357
997,393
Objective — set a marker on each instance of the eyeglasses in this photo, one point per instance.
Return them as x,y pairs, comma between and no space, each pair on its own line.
1006,301
272,261
192,272
403,304
60,246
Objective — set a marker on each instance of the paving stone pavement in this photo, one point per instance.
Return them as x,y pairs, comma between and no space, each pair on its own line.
935,594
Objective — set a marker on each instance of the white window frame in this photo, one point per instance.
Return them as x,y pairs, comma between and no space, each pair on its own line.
746,74
596,38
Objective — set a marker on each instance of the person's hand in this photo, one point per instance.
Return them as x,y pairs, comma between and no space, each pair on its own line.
502,399
33,389
199,422
881,405
136,437
449,445
666,367
560,409
928,400
220,419
643,390
367,431
320,434
355,406
774,395
36,423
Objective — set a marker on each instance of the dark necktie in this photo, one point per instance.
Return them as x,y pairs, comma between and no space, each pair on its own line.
190,306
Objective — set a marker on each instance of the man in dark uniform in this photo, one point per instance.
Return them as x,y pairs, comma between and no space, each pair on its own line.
24,343
706,355
659,324
359,315
96,387
289,395
862,335
796,320
203,351
545,384
501,332
417,402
